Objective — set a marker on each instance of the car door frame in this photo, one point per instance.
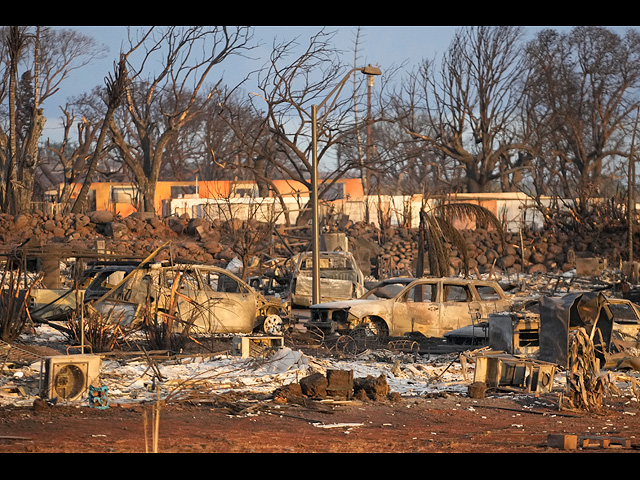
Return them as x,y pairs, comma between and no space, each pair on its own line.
238,310
409,316
459,313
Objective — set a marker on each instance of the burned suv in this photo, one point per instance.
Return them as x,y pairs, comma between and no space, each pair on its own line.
429,306
207,298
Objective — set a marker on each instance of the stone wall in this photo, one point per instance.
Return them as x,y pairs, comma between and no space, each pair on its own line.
395,252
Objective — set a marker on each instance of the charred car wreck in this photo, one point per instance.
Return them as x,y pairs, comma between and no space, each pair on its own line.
340,278
427,306
204,298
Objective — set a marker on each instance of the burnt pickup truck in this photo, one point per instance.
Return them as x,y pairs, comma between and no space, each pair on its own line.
340,278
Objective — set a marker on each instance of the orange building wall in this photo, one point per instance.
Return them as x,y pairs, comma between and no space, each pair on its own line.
206,189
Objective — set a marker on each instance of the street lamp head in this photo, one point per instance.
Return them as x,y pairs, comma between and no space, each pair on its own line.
371,70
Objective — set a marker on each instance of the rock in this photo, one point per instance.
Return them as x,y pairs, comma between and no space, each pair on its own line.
193,224
376,388
21,221
213,247
287,391
510,250
506,261
101,216
477,390
555,249
41,405
117,229
394,397
537,257
191,246
340,383
314,385
49,225
537,268
491,255
82,220
154,221
177,224
361,395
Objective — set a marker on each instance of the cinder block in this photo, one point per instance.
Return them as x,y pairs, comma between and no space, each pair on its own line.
256,346
563,442
590,266
340,383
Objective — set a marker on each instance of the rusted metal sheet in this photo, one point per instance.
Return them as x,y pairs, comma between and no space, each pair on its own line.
558,315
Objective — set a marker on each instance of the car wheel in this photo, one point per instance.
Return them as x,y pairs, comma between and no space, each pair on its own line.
346,344
272,325
370,331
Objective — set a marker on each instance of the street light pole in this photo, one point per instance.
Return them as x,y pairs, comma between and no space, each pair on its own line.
315,230
315,293
631,205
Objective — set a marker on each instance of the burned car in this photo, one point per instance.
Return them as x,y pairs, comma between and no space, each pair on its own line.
340,278
56,304
205,298
428,306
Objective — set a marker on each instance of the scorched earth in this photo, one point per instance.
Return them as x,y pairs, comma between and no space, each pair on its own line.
221,403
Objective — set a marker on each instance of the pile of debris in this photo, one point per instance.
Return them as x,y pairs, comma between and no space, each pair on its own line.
337,385
586,385
135,236
392,252
530,252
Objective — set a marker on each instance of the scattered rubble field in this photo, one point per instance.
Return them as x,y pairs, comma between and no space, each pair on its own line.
451,424
498,421
251,422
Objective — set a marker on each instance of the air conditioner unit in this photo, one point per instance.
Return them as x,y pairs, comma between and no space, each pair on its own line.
68,377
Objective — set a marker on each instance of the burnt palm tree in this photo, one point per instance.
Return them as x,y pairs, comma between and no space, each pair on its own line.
437,229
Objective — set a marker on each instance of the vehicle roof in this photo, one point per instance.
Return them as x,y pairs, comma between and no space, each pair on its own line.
458,280
399,280
149,267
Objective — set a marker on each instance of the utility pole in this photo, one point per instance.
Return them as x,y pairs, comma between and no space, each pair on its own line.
365,172
631,207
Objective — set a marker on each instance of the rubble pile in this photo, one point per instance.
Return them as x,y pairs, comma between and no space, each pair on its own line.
530,252
337,385
136,235
391,252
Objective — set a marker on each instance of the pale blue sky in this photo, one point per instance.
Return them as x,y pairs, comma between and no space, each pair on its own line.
379,45
383,46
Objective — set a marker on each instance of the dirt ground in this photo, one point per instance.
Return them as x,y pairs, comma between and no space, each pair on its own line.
498,423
